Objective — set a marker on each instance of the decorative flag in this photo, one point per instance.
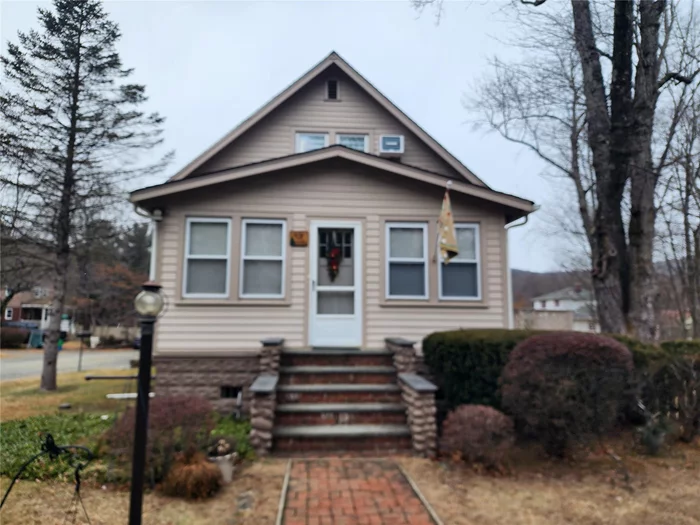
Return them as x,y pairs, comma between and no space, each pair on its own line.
447,237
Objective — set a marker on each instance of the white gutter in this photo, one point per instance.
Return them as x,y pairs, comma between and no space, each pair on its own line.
155,218
509,276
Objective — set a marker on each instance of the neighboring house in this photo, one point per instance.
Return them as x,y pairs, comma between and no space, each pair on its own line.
315,221
32,306
574,299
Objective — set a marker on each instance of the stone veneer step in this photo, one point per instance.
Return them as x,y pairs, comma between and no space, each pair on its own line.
341,431
331,369
341,407
339,352
347,387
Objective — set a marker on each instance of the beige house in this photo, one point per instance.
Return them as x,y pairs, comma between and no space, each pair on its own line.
315,221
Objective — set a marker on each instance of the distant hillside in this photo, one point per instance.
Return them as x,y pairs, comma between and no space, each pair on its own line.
527,285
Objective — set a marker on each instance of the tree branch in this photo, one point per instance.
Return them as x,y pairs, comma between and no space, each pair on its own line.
678,77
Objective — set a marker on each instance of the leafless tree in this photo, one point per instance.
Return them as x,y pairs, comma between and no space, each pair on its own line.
71,132
585,98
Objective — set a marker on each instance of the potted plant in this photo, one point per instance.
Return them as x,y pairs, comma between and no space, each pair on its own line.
222,453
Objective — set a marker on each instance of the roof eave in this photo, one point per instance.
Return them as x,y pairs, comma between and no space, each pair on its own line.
516,206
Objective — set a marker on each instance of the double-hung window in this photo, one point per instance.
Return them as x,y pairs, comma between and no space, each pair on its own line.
311,141
460,278
207,258
8,314
356,141
262,258
406,260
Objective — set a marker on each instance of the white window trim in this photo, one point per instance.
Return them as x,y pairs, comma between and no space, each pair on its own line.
227,257
9,311
363,135
458,259
297,140
244,257
388,259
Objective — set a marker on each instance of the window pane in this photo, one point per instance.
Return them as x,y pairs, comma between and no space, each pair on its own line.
406,279
262,277
208,238
352,141
406,242
310,141
206,277
459,280
336,302
263,239
466,240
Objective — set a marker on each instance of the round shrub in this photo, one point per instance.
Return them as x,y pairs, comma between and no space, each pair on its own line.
192,477
479,433
566,386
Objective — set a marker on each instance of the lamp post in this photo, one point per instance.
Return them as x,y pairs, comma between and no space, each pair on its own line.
149,303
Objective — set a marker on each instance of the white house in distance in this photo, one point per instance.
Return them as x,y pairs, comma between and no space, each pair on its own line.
574,299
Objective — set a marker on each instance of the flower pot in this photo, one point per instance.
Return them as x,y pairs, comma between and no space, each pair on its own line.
225,464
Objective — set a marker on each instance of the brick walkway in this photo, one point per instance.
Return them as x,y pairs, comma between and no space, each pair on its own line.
351,492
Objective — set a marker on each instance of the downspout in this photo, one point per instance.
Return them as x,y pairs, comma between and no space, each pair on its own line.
156,216
509,275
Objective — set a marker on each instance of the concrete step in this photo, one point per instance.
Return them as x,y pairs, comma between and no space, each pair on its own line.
325,357
339,393
334,374
380,438
340,414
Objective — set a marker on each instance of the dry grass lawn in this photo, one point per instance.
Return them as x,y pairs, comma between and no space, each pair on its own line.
663,491
21,398
256,486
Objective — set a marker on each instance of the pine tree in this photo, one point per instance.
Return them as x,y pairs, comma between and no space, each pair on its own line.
70,136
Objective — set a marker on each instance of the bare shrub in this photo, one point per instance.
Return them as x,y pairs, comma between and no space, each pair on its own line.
479,433
175,424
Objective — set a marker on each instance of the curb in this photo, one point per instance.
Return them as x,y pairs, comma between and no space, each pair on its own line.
283,495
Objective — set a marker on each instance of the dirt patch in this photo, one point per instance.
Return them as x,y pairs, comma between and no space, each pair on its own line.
251,499
585,492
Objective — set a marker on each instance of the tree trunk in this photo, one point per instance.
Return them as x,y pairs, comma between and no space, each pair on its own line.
609,249
48,372
643,176
63,232
695,286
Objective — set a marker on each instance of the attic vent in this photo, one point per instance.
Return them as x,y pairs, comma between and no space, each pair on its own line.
332,90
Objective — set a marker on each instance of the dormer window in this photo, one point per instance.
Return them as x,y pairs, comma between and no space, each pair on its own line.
332,90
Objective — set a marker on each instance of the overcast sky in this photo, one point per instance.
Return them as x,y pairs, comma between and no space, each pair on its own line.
209,65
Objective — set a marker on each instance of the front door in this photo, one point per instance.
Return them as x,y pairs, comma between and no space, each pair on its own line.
335,319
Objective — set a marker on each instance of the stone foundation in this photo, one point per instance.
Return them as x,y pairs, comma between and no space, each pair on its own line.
205,375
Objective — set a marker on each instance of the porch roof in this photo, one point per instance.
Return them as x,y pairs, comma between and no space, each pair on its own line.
516,206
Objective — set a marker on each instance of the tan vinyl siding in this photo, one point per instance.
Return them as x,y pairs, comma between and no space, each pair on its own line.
308,111
337,190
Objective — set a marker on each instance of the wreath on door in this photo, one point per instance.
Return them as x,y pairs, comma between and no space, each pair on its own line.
334,257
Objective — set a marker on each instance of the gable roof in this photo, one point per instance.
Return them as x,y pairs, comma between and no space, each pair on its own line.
332,58
518,207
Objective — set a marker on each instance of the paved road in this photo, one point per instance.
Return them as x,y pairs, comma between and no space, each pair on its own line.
29,364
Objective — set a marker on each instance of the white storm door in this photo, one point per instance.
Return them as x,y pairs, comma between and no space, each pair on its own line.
335,297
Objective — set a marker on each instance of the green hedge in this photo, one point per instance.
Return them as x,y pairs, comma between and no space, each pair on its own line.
466,364
682,347
645,356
